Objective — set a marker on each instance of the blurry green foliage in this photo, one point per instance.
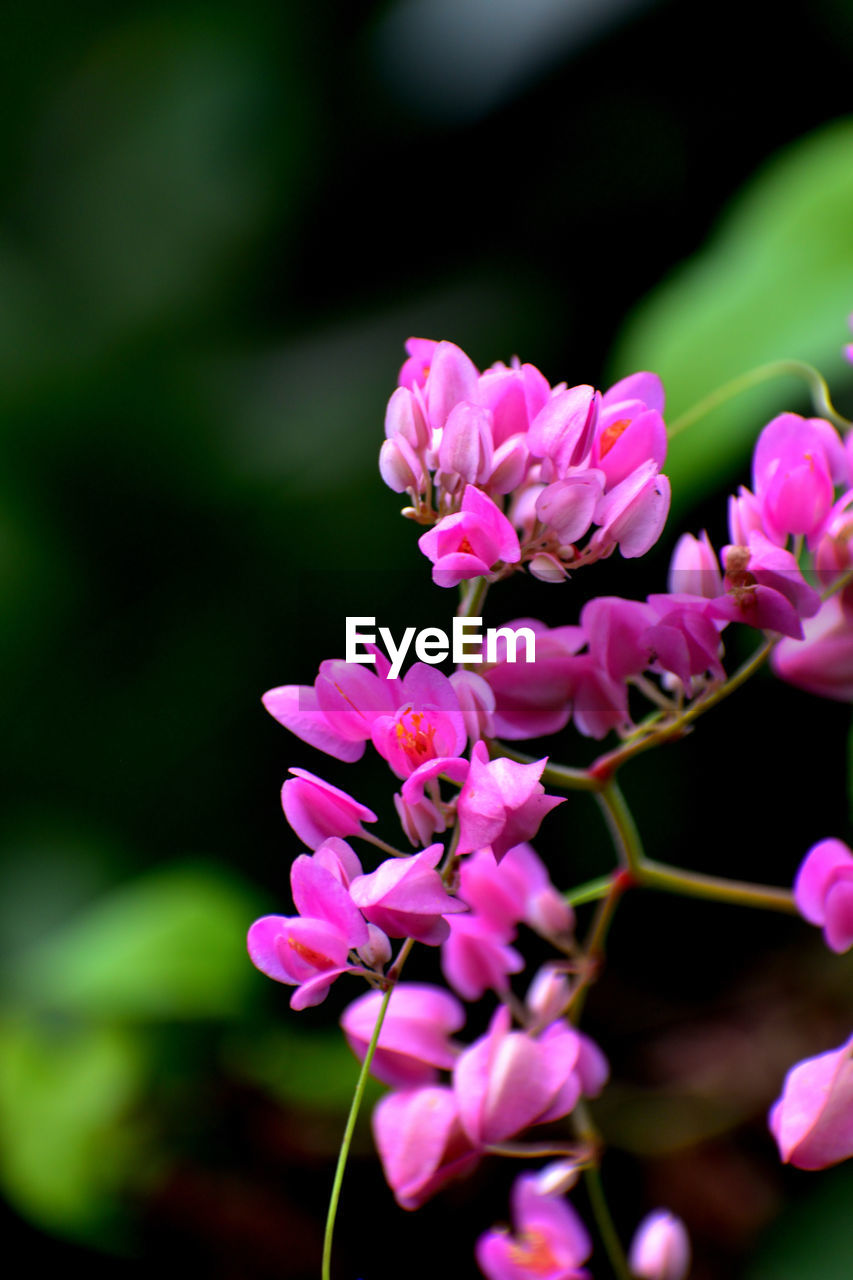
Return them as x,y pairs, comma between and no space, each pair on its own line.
775,282
815,1237
170,945
67,1140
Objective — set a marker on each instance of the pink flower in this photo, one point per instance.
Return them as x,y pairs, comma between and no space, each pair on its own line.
507,1080
534,698
515,397
425,724
660,1249
567,506
599,703
633,513
517,889
405,897
421,815
823,892
562,431
502,803
421,1142
822,662
550,1241
311,950
466,447
415,370
616,631
470,543
795,462
812,1121
316,810
476,957
694,569
414,1040
630,429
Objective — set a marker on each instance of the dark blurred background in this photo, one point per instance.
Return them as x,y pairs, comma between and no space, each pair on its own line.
219,224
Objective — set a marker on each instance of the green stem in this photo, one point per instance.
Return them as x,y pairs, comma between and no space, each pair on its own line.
693,884
605,766
355,1107
590,891
621,824
380,844
764,373
604,1222
471,603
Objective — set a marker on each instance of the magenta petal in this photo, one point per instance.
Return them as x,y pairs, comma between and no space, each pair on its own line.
838,929
420,1142
319,895
296,707
813,1119
815,875
316,810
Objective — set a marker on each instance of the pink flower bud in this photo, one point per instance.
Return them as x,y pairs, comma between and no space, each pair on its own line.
514,396
509,464
812,1121
400,467
316,810
823,892
822,662
563,430
567,506
694,569
377,951
660,1249
547,568
548,994
452,378
466,443
404,420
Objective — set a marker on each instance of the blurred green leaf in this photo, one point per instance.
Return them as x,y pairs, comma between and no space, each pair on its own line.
169,945
315,1069
775,282
67,1142
815,1237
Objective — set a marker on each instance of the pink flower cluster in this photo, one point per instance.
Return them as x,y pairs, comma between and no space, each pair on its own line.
428,1132
801,495
510,472
342,910
567,463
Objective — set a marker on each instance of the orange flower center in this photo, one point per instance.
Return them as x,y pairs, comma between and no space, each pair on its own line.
415,735
611,434
533,1252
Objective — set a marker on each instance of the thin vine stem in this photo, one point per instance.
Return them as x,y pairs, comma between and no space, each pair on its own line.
346,1141
753,378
